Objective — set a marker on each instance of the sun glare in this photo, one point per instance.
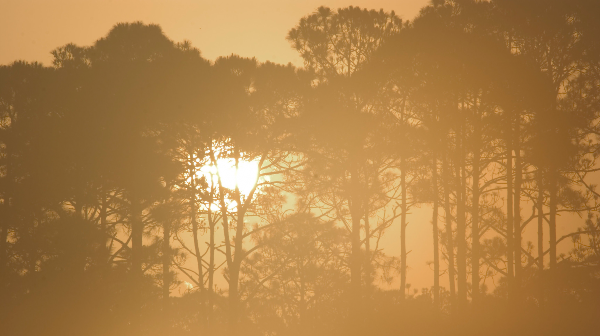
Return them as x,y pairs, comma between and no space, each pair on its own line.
244,177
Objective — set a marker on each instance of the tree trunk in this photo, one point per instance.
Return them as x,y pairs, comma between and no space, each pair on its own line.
166,266
552,220
193,212
355,258
436,249
367,265
234,300
6,218
540,209
228,253
4,244
5,227
461,227
517,208
104,227
403,230
137,230
192,171
475,222
509,213
234,271
449,235
211,266
302,306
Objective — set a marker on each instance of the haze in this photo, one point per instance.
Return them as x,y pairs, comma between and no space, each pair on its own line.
32,28
299,168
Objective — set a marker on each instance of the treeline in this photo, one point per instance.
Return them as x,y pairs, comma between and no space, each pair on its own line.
134,167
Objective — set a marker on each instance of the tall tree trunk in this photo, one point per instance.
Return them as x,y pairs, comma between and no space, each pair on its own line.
193,213
5,227
434,221
137,230
540,209
4,243
403,230
355,258
211,266
302,306
475,220
367,265
231,267
461,225
553,189
192,171
517,207
166,266
104,226
509,212
234,275
6,215
234,271
449,235
234,301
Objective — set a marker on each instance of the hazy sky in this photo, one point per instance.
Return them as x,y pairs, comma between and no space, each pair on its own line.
30,29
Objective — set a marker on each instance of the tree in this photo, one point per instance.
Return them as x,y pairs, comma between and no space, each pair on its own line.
335,45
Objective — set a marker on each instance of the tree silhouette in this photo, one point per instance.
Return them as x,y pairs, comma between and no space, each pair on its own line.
147,190
335,45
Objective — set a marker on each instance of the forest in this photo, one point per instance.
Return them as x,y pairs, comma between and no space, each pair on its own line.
146,190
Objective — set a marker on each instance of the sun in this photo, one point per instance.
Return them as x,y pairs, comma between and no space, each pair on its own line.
244,176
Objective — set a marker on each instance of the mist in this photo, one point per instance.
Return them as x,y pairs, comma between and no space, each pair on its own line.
431,176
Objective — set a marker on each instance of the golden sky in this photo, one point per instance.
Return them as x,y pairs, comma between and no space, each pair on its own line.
30,29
